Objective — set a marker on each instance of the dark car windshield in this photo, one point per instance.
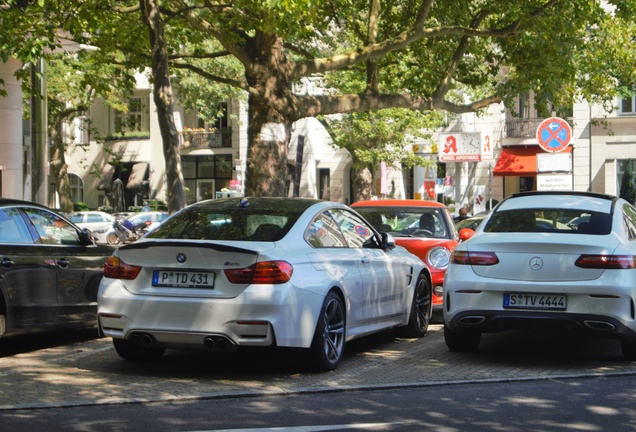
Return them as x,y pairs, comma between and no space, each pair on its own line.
229,221
407,221
550,220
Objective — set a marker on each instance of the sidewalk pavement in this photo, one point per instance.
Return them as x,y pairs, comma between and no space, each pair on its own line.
90,372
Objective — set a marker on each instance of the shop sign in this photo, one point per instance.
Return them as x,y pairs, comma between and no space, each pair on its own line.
465,147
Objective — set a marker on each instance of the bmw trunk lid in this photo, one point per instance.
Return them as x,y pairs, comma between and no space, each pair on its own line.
188,269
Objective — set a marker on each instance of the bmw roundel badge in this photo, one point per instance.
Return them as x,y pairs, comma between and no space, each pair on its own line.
181,257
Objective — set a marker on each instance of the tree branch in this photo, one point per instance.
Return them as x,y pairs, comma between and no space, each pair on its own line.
227,42
445,82
401,41
209,76
310,106
213,55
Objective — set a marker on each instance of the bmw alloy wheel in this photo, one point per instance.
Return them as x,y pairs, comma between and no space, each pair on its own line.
328,345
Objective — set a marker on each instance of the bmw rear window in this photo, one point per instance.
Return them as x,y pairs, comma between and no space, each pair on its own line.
226,224
569,221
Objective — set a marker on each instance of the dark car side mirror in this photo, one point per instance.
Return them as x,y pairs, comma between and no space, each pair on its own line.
86,237
465,234
388,242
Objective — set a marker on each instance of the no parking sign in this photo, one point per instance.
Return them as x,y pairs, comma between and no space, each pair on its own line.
554,134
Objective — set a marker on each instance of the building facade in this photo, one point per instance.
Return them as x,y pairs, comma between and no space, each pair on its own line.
124,170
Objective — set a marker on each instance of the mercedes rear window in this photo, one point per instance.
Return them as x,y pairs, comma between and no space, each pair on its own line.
550,220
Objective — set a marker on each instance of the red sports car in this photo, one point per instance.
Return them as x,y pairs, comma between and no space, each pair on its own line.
425,228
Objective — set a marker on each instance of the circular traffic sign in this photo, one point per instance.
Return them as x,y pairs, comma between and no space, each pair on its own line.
554,134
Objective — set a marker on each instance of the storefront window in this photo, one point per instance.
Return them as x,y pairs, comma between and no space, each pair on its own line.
206,167
204,176
526,184
189,167
224,166
191,191
222,184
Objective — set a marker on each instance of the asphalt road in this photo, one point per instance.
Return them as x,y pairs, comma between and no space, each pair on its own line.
603,404
79,370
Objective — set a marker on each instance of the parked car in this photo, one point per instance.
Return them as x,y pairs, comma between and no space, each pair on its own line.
97,221
152,219
264,272
517,273
122,215
50,270
474,222
424,228
471,222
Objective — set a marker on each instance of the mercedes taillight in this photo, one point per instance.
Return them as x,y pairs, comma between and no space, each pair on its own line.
474,258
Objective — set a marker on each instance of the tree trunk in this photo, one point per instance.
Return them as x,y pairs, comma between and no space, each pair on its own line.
59,168
162,95
362,180
266,155
271,112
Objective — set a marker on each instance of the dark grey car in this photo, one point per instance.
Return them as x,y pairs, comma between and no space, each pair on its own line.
49,270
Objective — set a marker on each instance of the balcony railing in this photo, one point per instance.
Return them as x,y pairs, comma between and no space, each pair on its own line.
525,128
193,139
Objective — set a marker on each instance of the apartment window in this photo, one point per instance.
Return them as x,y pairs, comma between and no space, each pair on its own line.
77,187
221,121
621,168
132,121
628,105
324,180
524,105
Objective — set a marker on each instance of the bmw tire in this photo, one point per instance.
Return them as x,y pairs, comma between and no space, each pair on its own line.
421,310
327,347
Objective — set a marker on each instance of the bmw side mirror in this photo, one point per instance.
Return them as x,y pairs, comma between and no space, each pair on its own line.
388,242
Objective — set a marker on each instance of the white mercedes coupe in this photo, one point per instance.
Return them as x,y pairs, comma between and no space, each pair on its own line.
526,267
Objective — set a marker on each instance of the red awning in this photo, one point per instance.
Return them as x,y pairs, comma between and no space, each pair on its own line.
519,161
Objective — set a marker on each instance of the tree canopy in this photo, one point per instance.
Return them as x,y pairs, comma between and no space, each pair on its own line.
455,55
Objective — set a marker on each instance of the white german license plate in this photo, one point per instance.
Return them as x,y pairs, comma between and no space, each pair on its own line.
534,301
182,279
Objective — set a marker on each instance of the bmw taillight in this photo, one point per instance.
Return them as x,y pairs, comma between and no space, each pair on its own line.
266,272
606,262
115,268
474,258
